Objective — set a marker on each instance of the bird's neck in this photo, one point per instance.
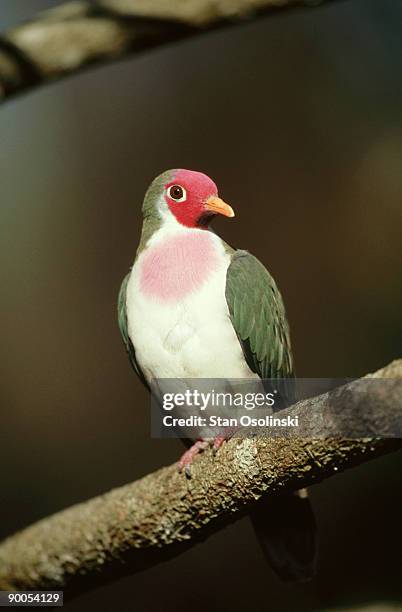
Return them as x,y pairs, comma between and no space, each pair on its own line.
154,223
150,227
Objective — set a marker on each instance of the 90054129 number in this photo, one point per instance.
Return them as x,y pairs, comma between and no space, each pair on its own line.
31,598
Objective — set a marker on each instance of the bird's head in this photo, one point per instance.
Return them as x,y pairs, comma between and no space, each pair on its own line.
188,197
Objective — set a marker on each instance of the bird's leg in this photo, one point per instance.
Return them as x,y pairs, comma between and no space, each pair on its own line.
187,457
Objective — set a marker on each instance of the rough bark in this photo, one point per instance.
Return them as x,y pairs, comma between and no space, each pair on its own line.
80,33
142,523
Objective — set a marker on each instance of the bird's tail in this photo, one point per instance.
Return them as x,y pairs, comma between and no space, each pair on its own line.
286,529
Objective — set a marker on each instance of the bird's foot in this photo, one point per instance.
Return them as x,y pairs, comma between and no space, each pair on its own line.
226,434
187,458
198,447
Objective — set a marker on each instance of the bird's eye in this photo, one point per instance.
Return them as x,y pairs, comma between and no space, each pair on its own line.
177,193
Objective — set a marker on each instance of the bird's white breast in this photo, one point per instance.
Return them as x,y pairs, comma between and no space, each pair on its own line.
178,319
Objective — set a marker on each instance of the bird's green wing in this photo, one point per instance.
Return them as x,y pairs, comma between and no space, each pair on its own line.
122,319
258,316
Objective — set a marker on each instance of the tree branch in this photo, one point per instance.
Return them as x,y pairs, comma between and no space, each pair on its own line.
80,33
154,518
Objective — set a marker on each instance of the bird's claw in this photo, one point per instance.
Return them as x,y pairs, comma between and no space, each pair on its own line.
218,441
187,457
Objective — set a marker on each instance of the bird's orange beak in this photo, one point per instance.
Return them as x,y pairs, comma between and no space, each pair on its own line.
217,206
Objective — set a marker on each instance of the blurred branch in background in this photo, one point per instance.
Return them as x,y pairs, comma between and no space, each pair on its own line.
155,518
75,35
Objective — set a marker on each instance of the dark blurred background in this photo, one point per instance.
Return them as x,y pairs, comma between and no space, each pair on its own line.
297,117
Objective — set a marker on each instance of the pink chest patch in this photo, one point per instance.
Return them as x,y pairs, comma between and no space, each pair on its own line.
178,265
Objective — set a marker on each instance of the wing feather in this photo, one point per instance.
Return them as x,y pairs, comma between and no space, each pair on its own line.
258,316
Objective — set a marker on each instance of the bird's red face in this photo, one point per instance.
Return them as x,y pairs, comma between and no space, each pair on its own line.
192,197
